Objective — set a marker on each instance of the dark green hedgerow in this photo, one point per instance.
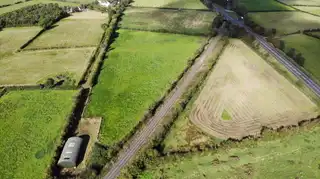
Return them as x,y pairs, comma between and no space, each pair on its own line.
43,15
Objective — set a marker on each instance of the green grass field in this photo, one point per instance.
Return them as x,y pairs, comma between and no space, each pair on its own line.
75,31
265,5
309,47
187,4
32,66
33,2
185,21
11,39
286,22
313,10
31,125
291,154
301,2
137,73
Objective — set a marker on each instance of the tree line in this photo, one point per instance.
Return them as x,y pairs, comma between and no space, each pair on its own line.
44,15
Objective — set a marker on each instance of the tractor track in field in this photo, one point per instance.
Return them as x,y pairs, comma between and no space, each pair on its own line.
141,138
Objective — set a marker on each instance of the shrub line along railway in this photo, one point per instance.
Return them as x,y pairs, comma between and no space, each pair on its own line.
283,60
139,139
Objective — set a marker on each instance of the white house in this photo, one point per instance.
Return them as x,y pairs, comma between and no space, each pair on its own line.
104,4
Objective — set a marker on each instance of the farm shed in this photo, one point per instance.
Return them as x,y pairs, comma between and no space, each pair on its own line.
70,152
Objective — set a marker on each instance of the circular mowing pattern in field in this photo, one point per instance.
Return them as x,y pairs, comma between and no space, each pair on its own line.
244,93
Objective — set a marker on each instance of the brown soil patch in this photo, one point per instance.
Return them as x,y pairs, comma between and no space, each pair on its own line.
253,94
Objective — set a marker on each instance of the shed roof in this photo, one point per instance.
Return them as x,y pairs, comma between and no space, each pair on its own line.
70,152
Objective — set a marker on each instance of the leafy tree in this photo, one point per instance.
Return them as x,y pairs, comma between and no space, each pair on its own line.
40,14
104,26
292,52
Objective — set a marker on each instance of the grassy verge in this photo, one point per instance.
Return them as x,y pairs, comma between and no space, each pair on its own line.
164,20
294,152
31,122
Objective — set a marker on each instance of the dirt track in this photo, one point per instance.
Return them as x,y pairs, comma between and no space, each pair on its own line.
139,139
253,95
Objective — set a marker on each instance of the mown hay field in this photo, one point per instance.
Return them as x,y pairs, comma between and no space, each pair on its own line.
11,39
313,10
286,22
33,2
266,5
32,122
186,4
164,20
30,67
252,93
290,154
301,2
139,70
79,30
309,48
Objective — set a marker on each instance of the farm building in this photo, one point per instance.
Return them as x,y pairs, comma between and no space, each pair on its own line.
70,152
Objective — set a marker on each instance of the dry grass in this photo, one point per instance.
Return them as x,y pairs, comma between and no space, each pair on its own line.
33,66
252,92
80,30
13,38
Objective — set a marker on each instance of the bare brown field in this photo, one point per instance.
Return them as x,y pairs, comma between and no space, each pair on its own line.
244,93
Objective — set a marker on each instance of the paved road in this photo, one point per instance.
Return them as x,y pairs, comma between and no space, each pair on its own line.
293,68
139,139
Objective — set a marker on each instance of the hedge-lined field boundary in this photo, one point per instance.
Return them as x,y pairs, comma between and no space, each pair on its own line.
169,8
166,31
